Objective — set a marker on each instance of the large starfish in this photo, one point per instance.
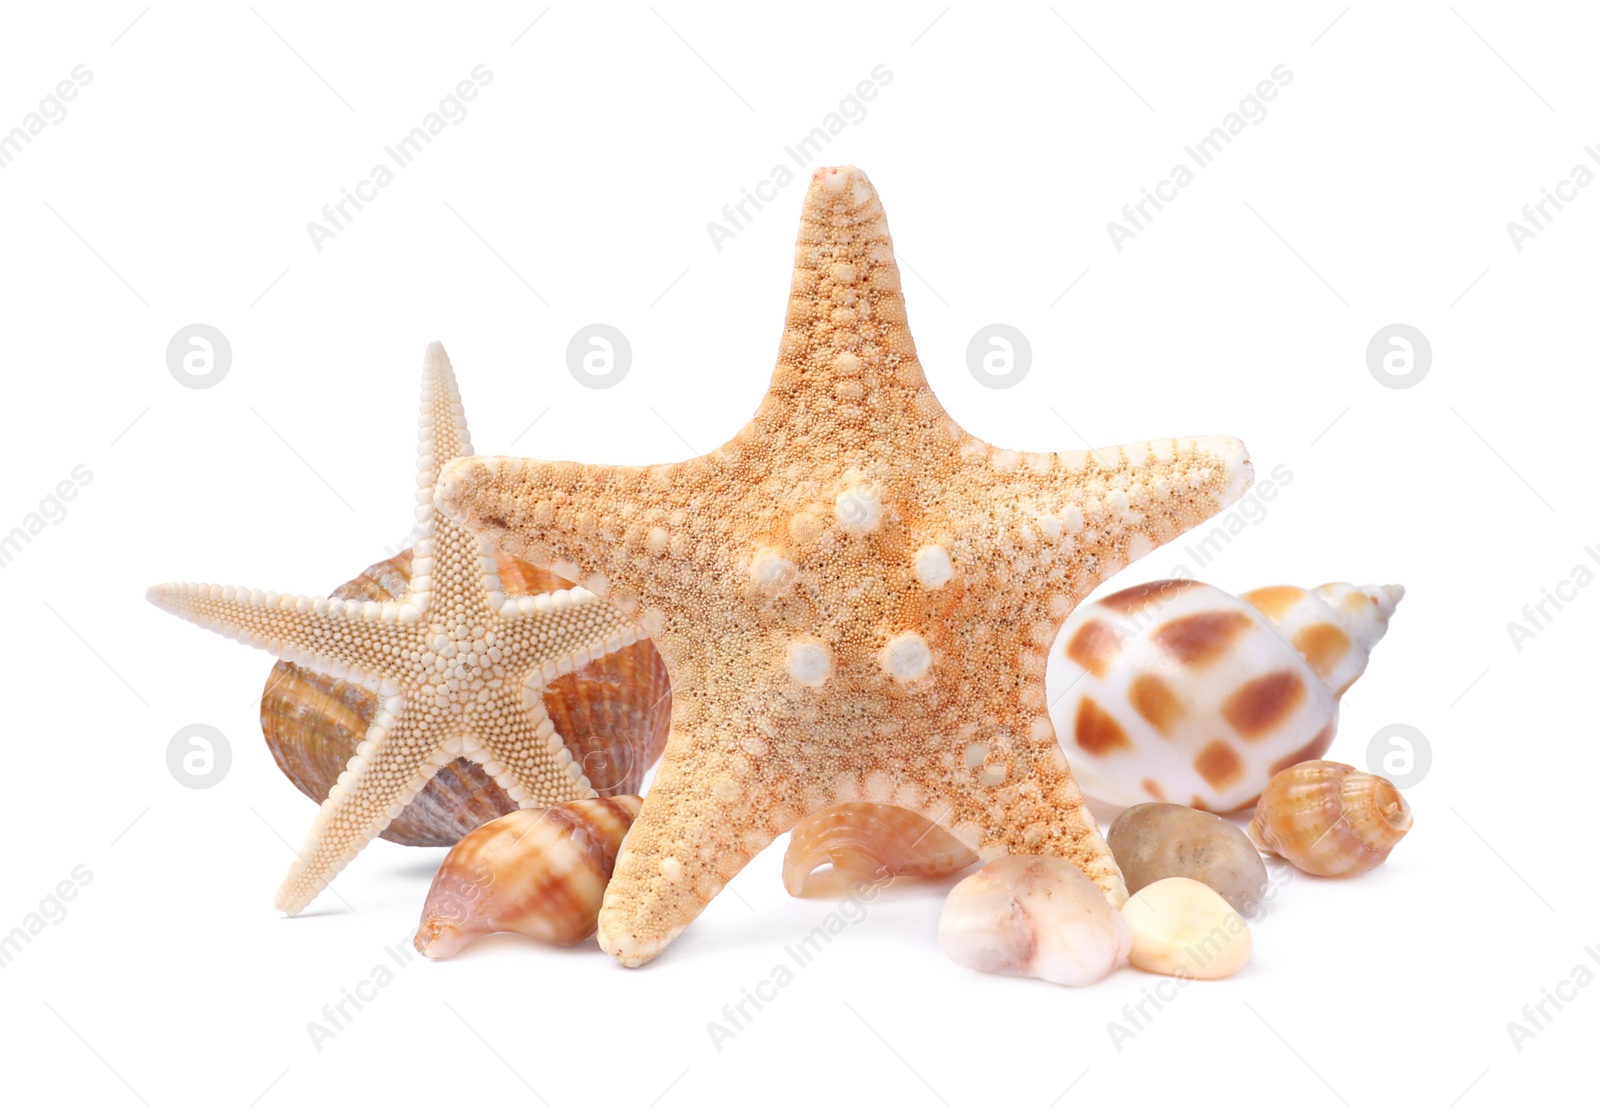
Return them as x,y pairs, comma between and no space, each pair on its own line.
854,596
458,665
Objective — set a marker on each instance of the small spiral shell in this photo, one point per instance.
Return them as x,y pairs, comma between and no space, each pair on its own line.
540,872
865,842
1330,819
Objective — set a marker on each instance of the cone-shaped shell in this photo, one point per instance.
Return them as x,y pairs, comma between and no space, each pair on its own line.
868,842
1333,626
1177,691
612,714
1330,819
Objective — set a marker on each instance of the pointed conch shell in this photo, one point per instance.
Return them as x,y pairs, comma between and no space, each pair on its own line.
611,713
1330,819
868,842
1177,691
540,872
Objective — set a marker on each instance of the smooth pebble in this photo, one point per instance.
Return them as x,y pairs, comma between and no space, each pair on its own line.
1182,927
1034,915
1155,841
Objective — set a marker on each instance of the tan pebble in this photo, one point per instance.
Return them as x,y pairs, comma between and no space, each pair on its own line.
1183,927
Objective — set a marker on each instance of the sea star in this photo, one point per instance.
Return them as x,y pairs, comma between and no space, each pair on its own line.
854,597
458,665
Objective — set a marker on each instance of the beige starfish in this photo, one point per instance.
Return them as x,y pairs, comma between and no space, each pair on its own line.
854,597
460,666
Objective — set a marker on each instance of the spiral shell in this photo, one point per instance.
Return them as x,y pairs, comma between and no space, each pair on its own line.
1330,819
1177,691
539,872
865,842
612,713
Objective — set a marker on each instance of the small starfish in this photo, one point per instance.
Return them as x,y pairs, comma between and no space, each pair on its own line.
458,665
854,596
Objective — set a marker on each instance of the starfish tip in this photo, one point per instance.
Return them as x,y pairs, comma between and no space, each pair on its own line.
458,480
840,186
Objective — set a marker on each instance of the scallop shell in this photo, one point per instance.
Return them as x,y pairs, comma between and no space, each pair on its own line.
539,872
612,713
1330,819
865,841
1177,691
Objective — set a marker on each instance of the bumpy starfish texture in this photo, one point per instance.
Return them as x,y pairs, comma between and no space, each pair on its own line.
854,597
459,666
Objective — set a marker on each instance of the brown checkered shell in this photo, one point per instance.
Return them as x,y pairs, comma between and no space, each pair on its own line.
1177,691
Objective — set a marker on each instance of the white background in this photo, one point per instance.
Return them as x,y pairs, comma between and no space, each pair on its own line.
1377,190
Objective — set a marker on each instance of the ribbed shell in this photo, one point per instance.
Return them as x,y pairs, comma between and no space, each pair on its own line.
867,842
612,713
537,872
1330,819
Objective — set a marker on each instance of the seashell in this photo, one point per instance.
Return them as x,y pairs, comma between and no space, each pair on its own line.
1155,841
540,872
865,842
612,713
1177,691
1330,819
1034,915
1183,927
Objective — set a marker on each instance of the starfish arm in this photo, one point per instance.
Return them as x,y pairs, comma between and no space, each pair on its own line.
555,633
1015,795
391,766
1088,514
529,759
565,517
440,544
667,871
561,632
356,640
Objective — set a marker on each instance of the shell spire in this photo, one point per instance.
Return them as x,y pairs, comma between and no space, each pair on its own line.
1333,626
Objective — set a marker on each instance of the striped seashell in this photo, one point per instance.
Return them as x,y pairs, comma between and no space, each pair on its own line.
1330,819
539,872
612,713
1177,691
868,842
